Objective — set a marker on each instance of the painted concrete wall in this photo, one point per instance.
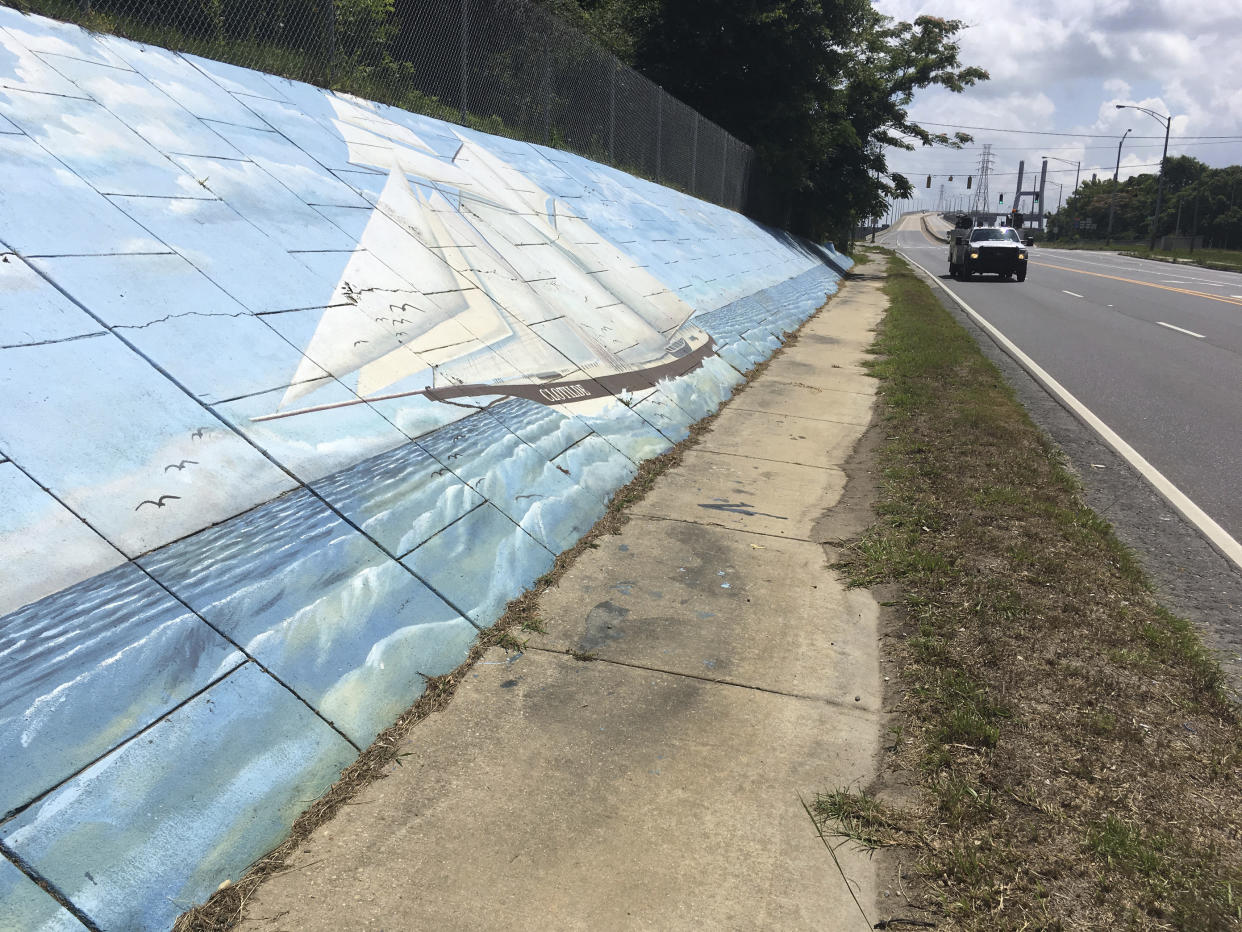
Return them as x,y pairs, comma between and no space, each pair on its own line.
296,391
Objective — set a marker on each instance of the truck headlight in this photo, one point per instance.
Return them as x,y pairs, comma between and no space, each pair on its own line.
1021,255
974,255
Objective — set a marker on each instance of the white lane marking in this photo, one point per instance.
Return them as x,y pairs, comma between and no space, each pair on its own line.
1180,330
1138,266
1218,536
1073,294
1236,296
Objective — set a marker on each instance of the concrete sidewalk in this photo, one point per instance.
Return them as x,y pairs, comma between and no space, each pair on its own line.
658,786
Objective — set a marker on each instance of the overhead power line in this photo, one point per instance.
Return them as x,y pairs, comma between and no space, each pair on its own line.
1035,132
1109,148
1051,171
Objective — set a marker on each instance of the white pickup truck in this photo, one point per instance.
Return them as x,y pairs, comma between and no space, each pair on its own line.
983,250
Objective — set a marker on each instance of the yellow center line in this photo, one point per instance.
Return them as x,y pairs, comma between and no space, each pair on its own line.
1134,281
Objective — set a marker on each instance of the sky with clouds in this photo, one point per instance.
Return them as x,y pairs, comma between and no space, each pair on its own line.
1060,67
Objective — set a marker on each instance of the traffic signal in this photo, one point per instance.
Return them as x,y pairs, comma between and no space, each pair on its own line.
969,179
929,181
950,177
1002,199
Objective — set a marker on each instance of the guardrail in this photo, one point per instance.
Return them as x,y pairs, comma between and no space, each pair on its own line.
930,232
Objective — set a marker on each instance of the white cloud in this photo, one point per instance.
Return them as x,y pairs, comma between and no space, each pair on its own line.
1061,66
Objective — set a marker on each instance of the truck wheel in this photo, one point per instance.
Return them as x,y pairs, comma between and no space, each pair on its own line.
952,270
1022,275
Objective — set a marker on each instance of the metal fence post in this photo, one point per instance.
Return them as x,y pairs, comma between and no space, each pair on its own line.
612,111
547,97
331,39
748,167
465,50
659,129
694,154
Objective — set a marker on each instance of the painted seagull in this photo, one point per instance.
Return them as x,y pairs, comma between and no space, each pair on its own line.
180,466
197,435
158,503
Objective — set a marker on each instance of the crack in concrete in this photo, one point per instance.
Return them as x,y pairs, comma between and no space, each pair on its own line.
723,527
160,320
80,336
714,680
768,459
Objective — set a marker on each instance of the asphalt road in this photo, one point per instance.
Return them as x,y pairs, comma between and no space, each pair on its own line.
1102,326
1154,350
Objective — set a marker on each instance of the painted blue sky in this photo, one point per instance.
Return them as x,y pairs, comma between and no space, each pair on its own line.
1061,66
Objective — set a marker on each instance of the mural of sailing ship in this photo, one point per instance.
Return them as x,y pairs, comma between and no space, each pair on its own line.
296,392
607,327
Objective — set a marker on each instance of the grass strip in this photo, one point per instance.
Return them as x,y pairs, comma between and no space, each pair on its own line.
1222,260
1075,754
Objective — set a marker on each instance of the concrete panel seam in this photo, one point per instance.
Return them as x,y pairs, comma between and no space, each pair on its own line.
18,810
48,887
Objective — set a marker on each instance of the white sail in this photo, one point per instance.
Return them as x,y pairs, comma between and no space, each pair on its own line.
344,341
510,285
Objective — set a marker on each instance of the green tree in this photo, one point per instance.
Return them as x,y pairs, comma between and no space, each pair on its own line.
1190,186
819,88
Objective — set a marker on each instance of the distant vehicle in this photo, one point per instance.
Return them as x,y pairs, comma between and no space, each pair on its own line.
984,250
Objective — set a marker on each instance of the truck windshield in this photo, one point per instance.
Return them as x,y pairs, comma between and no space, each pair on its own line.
987,233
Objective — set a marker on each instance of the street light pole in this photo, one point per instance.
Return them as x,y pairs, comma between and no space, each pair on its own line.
1164,156
1112,203
1077,169
1168,124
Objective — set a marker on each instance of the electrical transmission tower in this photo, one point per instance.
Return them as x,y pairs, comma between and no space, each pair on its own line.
982,201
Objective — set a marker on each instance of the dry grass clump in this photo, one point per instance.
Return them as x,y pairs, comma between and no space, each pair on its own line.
1077,754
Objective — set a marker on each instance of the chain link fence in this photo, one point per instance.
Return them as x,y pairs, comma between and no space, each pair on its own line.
503,66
